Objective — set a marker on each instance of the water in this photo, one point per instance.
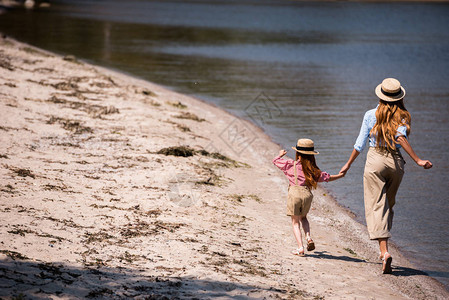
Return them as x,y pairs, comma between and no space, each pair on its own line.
318,62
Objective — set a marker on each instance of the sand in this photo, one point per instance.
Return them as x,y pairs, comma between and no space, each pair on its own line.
95,200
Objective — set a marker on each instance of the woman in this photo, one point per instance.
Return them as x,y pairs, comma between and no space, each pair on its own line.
387,127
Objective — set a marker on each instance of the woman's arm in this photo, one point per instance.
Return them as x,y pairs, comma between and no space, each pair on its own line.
360,143
426,164
351,159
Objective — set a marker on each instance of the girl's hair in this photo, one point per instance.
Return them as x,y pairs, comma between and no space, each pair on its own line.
311,171
390,116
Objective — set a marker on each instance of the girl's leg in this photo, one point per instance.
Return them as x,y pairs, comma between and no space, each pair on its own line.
297,230
305,226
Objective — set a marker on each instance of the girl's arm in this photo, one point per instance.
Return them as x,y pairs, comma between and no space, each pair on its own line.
281,163
335,177
351,159
426,164
282,153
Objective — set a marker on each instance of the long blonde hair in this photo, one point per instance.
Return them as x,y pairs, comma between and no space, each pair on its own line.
311,171
390,116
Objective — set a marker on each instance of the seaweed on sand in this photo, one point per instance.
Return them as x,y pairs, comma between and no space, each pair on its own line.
130,258
228,162
96,111
22,232
6,64
96,237
189,116
75,127
65,86
70,125
238,198
23,172
142,228
13,255
178,104
181,127
147,92
249,268
8,189
183,151
186,151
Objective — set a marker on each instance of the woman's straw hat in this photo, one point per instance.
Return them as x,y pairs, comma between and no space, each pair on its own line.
305,146
390,90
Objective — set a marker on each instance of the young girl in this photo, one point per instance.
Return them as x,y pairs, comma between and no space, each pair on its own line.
303,175
386,127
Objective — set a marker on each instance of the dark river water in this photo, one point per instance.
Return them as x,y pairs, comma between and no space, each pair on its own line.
315,64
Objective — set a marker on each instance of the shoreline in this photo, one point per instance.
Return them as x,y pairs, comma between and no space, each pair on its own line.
91,154
46,4
323,189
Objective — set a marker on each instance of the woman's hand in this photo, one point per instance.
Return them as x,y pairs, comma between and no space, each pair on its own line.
345,169
426,164
282,152
351,159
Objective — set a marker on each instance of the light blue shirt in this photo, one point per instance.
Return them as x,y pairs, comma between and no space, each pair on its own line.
368,123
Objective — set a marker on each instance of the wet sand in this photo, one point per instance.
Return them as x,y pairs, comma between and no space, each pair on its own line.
115,187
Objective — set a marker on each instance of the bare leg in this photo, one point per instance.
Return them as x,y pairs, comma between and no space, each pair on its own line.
305,226
383,245
297,230
386,257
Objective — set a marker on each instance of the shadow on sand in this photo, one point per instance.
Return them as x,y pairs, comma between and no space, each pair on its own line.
26,279
404,271
397,270
323,254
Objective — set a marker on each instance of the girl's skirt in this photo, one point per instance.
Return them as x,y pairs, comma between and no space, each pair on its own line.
299,200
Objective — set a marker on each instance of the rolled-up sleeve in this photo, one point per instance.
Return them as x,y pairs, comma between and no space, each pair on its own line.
402,131
281,163
324,177
360,143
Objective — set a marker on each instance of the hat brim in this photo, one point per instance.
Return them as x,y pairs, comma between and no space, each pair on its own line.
384,97
306,152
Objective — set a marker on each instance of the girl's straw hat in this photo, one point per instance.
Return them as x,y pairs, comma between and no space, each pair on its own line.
305,146
390,90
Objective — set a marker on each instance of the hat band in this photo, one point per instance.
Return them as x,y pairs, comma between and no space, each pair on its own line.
391,94
305,148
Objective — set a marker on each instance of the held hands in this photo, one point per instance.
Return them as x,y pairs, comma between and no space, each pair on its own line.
282,152
351,159
344,169
338,176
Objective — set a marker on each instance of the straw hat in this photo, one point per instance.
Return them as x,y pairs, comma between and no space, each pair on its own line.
305,146
390,90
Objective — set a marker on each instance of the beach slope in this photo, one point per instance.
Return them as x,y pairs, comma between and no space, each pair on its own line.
114,187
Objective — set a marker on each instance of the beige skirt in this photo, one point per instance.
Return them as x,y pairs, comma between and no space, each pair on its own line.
299,200
381,180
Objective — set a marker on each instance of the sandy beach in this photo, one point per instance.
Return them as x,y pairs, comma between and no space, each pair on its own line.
113,187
